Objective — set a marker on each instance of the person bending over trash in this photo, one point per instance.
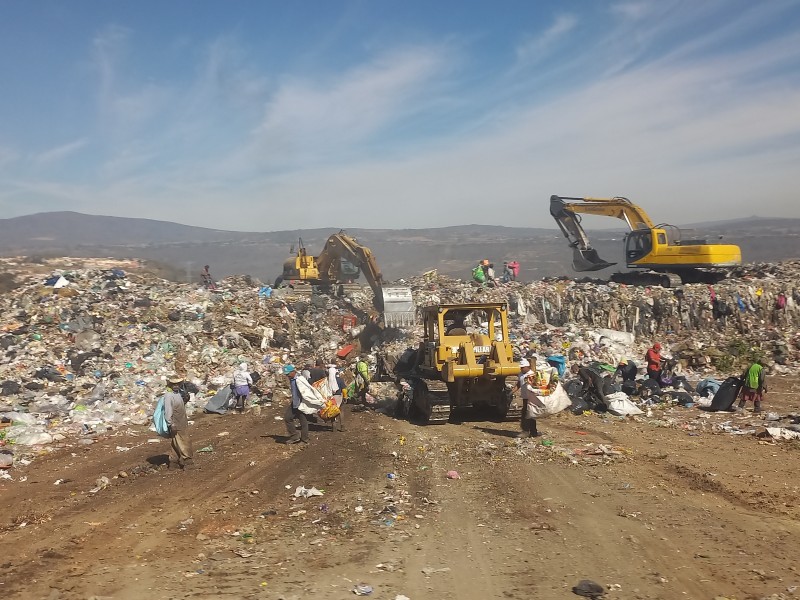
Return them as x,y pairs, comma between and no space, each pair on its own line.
177,421
594,386
627,369
754,386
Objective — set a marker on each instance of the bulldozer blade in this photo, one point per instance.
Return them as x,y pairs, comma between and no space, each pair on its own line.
398,307
588,260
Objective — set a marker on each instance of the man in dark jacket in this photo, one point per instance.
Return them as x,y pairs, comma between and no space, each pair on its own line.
594,385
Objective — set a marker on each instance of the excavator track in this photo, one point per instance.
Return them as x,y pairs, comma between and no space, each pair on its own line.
431,400
648,278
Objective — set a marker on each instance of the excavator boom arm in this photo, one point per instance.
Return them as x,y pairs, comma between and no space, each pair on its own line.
566,214
340,245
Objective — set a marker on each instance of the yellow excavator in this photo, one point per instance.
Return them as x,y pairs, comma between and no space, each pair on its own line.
668,258
339,264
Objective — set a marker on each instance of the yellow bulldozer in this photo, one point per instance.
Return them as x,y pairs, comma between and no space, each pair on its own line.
463,360
668,257
337,267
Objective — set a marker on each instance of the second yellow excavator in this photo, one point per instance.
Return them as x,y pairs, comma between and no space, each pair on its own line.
341,261
660,249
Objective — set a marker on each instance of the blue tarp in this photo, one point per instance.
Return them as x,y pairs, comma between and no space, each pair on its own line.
559,362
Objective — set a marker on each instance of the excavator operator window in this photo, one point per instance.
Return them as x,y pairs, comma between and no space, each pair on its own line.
638,245
348,269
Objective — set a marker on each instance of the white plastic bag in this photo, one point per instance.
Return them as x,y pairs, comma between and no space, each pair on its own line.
557,401
619,404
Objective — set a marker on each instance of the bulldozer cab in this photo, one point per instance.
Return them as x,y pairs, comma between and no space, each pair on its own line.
467,340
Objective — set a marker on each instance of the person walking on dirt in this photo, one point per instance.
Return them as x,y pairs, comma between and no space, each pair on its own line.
653,359
754,386
530,401
524,368
293,412
317,372
241,386
177,421
362,379
336,383
527,425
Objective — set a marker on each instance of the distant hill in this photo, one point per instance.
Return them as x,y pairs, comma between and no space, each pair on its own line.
399,252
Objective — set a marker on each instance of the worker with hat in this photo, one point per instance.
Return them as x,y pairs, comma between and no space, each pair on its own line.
653,359
293,412
627,369
530,398
528,425
177,420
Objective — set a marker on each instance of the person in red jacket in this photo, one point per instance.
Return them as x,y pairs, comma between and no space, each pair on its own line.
653,359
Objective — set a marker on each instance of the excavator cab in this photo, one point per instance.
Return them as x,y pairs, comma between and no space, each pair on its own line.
348,271
638,244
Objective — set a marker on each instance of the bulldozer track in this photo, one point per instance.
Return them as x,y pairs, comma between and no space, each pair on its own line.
436,398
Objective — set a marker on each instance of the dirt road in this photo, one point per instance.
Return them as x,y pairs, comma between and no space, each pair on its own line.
646,511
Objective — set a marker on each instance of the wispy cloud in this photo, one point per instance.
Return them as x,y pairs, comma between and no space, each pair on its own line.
689,125
7,155
634,11
124,106
59,153
306,120
537,47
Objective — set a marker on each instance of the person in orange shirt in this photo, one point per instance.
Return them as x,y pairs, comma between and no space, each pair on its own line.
653,359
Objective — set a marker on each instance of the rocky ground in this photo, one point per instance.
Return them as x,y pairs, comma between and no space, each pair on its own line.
646,511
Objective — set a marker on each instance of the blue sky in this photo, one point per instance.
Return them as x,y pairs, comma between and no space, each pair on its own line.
257,115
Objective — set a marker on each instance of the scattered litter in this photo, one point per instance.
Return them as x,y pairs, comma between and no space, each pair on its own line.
588,589
453,475
362,589
428,571
303,492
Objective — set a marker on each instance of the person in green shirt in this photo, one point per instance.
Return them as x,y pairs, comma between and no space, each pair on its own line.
754,386
362,379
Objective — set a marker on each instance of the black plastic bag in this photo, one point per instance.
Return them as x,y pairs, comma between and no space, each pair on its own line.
726,394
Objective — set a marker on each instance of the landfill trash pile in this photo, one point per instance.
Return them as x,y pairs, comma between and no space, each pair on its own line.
87,349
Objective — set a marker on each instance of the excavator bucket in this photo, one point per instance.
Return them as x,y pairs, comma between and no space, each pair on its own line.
588,260
398,307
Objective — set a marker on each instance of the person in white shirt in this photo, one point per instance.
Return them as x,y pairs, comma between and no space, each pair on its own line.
241,386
